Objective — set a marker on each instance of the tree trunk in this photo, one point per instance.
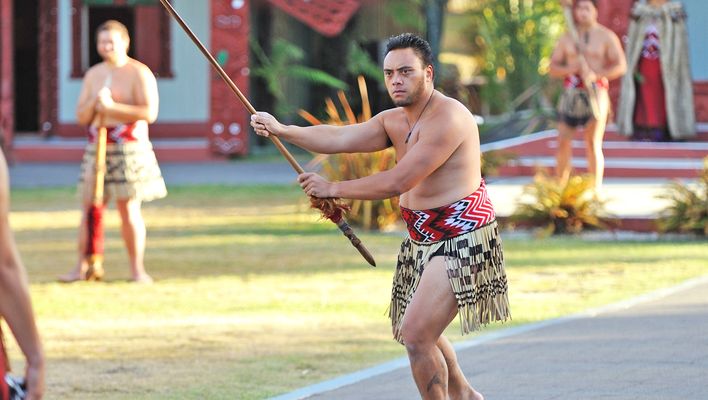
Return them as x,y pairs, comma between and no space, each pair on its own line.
434,18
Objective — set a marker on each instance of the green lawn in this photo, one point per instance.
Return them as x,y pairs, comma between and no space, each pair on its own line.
255,296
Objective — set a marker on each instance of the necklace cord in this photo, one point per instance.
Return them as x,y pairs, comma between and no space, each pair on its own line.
419,115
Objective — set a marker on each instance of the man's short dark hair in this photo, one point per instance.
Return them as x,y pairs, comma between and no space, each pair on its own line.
594,2
113,25
411,41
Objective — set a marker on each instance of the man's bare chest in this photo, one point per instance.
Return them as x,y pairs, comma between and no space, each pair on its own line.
120,83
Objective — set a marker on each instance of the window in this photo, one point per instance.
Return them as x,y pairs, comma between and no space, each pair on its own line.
147,23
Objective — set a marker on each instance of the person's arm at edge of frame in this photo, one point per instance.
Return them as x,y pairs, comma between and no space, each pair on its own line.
368,136
146,99
15,303
426,156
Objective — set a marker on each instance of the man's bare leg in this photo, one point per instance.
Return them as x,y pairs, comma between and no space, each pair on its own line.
133,231
594,133
564,156
431,310
458,386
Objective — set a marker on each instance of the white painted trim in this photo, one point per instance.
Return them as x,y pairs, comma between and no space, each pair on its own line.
695,146
629,163
524,139
402,362
503,144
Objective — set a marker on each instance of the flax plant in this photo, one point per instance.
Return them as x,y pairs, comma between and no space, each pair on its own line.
367,214
561,207
688,209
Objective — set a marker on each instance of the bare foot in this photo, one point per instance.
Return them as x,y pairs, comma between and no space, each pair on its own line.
73,276
91,272
470,394
143,278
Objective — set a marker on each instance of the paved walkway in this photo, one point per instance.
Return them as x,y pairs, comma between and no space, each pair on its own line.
651,348
626,197
28,175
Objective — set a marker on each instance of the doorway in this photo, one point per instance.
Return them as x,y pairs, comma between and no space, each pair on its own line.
26,71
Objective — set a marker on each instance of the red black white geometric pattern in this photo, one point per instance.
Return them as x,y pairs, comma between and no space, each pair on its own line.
123,133
328,17
458,218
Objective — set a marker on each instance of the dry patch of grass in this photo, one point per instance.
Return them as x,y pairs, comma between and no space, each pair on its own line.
255,296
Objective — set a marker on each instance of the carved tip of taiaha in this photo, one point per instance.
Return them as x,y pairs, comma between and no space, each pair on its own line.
334,210
367,256
355,241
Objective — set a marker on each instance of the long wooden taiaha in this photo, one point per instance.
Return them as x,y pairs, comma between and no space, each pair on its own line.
94,218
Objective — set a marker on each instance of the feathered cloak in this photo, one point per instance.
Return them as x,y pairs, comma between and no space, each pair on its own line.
670,20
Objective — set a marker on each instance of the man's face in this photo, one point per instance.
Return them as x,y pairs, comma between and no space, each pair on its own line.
111,45
585,12
405,76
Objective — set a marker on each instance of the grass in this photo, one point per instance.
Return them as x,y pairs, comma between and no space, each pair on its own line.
255,296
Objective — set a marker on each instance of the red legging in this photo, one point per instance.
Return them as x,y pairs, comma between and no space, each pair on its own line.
4,391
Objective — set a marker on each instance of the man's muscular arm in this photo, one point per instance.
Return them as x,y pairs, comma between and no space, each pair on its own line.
364,137
559,67
615,62
86,105
433,149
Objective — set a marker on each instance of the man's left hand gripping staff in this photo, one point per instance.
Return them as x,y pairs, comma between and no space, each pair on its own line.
315,185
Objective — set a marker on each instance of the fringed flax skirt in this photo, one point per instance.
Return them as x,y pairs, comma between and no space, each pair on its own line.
132,172
465,233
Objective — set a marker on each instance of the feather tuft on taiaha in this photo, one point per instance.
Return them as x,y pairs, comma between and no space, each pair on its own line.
332,209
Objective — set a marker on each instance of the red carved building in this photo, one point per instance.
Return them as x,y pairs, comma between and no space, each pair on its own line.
46,46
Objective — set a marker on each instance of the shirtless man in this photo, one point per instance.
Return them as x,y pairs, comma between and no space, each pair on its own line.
451,259
15,304
121,94
603,60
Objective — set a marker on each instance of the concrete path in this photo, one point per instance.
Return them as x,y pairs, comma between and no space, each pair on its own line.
653,347
626,197
27,175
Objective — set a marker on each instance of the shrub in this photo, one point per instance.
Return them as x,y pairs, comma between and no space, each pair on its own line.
688,211
561,207
492,160
367,214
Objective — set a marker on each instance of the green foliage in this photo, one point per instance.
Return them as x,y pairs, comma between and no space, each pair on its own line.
285,62
360,63
561,207
494,159
515,40
368,214
688,212
407,14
